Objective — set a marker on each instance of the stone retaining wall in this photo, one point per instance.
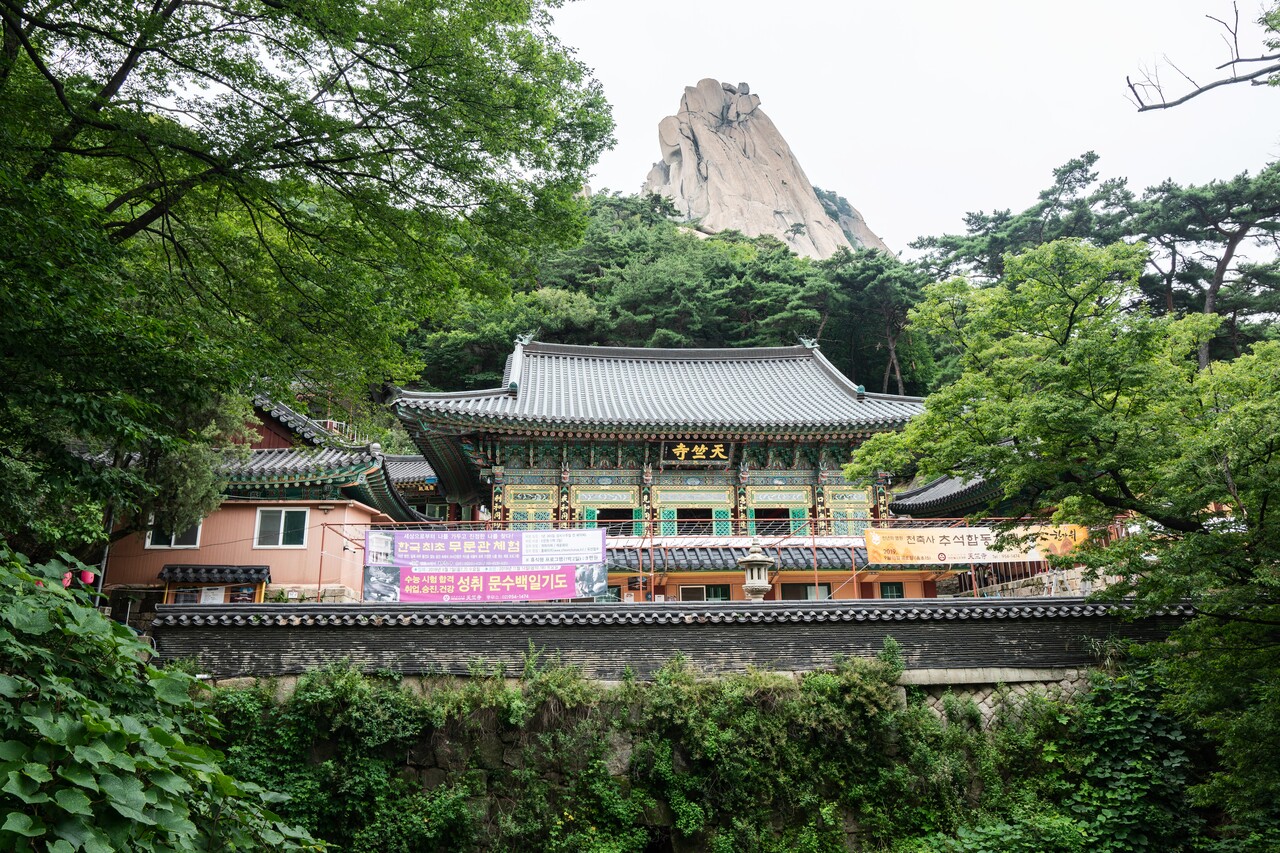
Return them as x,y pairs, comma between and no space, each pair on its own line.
610,641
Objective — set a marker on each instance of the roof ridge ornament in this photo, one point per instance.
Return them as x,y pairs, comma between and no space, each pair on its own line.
811,343
517,363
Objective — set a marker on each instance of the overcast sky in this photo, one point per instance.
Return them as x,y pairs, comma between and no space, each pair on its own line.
920,110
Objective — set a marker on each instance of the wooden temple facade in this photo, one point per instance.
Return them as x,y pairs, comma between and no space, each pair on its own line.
684,456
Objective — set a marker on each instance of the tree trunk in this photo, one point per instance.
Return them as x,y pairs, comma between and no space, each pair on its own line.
11,44
891,339
1219,276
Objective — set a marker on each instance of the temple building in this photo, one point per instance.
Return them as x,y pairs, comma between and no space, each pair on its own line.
683,455
292,515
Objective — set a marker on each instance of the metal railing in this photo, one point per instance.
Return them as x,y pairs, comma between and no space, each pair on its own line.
655,535
644,552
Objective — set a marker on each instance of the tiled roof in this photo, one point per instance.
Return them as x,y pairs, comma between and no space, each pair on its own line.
362,474
953,493
720,558
670,613
216,574
409,469
753,390
300,464
294,421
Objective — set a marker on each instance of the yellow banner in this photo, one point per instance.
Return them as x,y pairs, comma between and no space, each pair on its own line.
941,546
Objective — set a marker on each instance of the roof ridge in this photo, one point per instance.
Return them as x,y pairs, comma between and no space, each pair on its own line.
668,353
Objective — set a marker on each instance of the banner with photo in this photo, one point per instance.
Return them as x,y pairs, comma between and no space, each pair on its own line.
484,565
941,546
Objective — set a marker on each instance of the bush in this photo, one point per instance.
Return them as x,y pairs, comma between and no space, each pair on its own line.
101,751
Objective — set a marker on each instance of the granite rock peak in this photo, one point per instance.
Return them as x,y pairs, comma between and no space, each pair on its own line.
725,165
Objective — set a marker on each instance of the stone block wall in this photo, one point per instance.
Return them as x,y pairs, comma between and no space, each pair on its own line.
610,641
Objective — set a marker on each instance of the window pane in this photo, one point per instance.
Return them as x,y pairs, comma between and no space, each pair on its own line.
160,539
891,590
693,593
188,538
269,527
794,591
295,527
186,596
718,592
805,592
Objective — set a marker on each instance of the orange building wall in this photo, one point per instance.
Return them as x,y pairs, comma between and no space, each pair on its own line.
226,539
844,585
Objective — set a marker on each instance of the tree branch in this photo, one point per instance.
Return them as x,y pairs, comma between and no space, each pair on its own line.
1226,81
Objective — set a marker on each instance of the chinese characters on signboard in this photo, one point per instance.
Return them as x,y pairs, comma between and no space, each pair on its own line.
484,565
693,452
940,546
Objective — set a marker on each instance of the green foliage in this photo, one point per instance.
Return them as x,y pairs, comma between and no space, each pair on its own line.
826,761
201,202
1084,405
1198,236
101,751
1076,205
1130,789
639,279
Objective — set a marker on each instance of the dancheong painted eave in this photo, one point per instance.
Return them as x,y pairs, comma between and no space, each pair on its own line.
637,391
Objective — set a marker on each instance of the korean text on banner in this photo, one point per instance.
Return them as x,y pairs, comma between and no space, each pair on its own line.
941,546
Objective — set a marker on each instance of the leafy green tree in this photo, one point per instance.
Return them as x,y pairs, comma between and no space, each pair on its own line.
1085,406
204,200
100,751
1200,232
1198,235
469,346
1076,205
876,291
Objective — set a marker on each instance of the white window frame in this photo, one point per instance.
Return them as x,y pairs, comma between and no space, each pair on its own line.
171,547
306,527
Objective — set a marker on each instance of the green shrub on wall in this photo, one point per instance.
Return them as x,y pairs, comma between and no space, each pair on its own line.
826,761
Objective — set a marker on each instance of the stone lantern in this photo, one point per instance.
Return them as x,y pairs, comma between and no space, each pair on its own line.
756,564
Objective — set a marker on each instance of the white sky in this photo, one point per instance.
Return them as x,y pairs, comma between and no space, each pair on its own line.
920,110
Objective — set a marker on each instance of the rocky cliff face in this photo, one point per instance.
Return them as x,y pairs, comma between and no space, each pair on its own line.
725,164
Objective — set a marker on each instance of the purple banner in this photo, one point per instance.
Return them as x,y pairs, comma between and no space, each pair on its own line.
483,549
484,565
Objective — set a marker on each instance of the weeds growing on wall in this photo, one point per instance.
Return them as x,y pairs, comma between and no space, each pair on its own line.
827,761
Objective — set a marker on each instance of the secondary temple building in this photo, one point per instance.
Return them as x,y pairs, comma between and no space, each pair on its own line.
291,514
683,455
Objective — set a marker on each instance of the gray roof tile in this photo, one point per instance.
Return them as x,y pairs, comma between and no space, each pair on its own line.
410,469
294,421
292,462
944,492
523,614
763,388
216,574
723,558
